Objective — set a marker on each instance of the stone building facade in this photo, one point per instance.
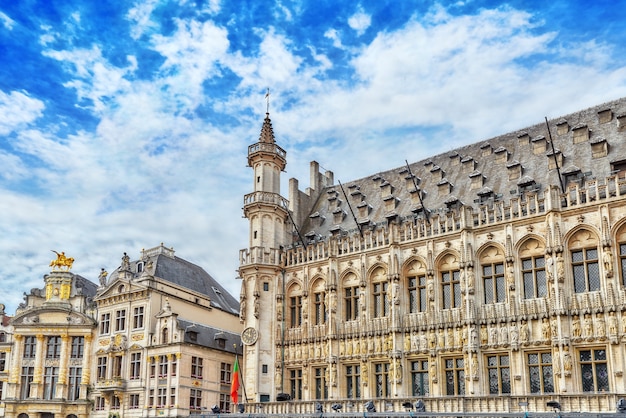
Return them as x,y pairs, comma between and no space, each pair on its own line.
51,348
157,337
166,339
488,278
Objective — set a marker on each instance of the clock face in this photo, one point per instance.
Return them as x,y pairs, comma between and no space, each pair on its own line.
249,336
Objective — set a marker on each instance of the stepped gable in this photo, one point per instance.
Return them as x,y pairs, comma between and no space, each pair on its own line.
586,144
196,333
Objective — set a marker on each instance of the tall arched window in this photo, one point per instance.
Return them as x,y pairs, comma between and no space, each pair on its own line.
416,287
492,271
450,276
583,246
533,269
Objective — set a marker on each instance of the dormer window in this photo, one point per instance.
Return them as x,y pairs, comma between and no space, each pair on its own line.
140,266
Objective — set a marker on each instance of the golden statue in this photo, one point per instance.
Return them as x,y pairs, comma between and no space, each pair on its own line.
62,262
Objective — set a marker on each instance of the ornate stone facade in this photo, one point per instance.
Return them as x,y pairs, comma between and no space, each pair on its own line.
474,280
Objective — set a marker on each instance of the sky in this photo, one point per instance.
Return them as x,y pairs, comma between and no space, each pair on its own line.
125,124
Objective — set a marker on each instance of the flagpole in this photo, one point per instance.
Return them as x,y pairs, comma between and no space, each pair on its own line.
241,381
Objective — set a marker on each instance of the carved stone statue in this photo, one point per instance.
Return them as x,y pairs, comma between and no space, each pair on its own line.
102,277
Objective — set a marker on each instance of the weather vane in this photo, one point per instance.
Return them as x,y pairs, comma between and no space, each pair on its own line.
267,99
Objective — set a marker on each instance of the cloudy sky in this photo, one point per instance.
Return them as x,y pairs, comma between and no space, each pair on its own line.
124,124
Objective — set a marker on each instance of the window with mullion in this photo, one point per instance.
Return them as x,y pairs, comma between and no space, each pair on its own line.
419,377
534,276
455,376
73,389
594,370
586,270
295,311
417,294
499,374
78,347
541,377
351,303
383,384
321,388
295,383
450,289
493,283
50,380
381,304
320,308
353,382
53,349
30,346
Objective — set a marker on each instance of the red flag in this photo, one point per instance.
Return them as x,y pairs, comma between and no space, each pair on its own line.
234,387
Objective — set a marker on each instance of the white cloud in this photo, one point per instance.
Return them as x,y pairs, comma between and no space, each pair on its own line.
141,15
360,21
333,35
7,22
18,110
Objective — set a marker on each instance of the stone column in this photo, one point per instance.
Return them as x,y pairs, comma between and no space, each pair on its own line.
87,363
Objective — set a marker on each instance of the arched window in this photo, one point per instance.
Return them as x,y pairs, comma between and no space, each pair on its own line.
583,247
416,287
380,289
533,269
621,244
492,271
295,306
351,295
319,303
449,274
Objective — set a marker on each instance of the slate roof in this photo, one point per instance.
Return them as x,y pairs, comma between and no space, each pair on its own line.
447,178
183,273
209,336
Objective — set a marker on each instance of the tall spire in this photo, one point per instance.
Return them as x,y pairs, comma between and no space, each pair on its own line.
267,132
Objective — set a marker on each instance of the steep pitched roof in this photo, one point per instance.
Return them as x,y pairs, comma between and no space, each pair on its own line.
504,164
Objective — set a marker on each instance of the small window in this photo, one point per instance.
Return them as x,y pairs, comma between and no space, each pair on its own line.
266,286
264,369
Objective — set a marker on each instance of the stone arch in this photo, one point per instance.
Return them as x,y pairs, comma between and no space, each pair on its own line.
377,273
530,244
583,254
414,280
493,274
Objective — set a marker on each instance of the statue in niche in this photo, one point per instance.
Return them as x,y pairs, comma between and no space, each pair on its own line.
473,337
560,268
545,329
397,372
388,343
462,281
470,280
458,337
607,260
364,373
493,335
510,276
556,362
450,338
357,346
600,326
576,330
588,326
484,336
441,343
432,363
407,343
567,361
342,348
348,348
613,327
514,334
549,268
432,340
504,334
554,330
524,332
474,366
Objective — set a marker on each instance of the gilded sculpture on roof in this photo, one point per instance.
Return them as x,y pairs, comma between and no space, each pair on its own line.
62,262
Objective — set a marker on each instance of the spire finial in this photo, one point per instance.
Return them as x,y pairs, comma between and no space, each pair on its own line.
267,100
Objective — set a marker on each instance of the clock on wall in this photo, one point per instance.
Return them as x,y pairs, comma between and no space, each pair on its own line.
249,335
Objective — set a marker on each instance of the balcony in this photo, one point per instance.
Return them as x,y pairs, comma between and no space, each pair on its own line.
114,384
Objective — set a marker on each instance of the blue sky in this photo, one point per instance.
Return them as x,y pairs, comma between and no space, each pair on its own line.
125,124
